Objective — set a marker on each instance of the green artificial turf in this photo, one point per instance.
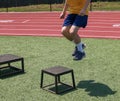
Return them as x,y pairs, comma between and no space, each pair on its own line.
97,76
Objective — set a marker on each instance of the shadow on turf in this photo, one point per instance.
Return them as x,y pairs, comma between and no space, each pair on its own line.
10,72
12,75
62,89
95,89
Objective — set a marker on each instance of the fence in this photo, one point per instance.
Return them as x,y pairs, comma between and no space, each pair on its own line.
16,3
6,4
49,5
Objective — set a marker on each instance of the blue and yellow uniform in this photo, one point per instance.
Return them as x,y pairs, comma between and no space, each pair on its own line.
75,6
74,17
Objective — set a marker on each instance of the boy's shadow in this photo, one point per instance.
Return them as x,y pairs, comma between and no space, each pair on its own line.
95,89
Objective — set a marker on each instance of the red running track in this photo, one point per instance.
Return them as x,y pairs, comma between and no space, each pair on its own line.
100,24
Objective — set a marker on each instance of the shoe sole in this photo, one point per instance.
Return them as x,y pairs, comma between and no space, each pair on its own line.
79,59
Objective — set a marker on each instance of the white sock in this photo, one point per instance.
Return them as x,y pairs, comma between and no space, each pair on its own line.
79,47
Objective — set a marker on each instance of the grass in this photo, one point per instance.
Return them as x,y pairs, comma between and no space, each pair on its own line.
32,8
106,6
96,76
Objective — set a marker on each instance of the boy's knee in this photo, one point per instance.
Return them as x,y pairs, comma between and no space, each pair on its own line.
73,31
64,31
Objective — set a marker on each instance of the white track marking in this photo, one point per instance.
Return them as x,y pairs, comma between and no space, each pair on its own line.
25,21
6,21
116,25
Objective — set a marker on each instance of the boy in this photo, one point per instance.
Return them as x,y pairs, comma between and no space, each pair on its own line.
77,18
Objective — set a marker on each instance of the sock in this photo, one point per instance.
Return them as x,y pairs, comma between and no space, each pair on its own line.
79,47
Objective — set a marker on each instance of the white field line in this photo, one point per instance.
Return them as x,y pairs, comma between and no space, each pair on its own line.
59,35
100,36
98,31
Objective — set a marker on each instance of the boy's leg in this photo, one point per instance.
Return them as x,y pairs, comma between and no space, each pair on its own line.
69,20
70,32
79,54
80,21
73,33
66,33
76,38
